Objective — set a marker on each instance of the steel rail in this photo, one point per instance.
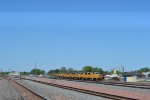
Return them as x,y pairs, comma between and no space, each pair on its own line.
105,95
29,90
141,86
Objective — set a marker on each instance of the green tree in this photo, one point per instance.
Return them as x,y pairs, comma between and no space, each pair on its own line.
51,71
37,72
87,69
24,73
4,73
107,72
63,70
43,72
70,70
146,69
57,70
96,69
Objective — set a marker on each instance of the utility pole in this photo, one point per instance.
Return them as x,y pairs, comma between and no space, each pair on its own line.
35,69
1,71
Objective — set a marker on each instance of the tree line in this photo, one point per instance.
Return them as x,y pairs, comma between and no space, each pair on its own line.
71,70
34,72
146,69
84,69
92,69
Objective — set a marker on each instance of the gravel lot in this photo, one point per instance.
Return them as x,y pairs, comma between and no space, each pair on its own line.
7,92
54,93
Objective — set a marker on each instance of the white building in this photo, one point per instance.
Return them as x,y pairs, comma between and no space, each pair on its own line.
15,74
147,74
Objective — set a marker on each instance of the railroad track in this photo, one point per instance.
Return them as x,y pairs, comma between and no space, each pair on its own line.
121,84
132,85
126,85
25,93
105,95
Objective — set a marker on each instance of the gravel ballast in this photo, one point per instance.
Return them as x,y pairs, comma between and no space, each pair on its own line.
96,88
7,92
129,89
54,93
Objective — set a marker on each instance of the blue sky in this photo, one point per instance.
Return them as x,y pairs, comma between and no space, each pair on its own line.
74,34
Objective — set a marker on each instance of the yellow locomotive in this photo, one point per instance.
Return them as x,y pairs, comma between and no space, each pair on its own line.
80,76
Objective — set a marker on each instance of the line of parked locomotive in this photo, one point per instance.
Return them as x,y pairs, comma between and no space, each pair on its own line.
80,76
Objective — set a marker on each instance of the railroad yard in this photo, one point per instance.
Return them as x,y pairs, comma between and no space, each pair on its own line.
35,88
74,50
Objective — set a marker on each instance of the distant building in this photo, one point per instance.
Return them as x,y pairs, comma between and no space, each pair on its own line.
14,74
135,74
121,68
147,74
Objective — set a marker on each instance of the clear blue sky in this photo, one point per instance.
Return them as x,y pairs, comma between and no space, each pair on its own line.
74,33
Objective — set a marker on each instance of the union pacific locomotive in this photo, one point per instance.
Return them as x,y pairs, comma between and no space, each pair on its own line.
80,76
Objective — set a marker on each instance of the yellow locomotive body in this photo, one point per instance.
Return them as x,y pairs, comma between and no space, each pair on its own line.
81,76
